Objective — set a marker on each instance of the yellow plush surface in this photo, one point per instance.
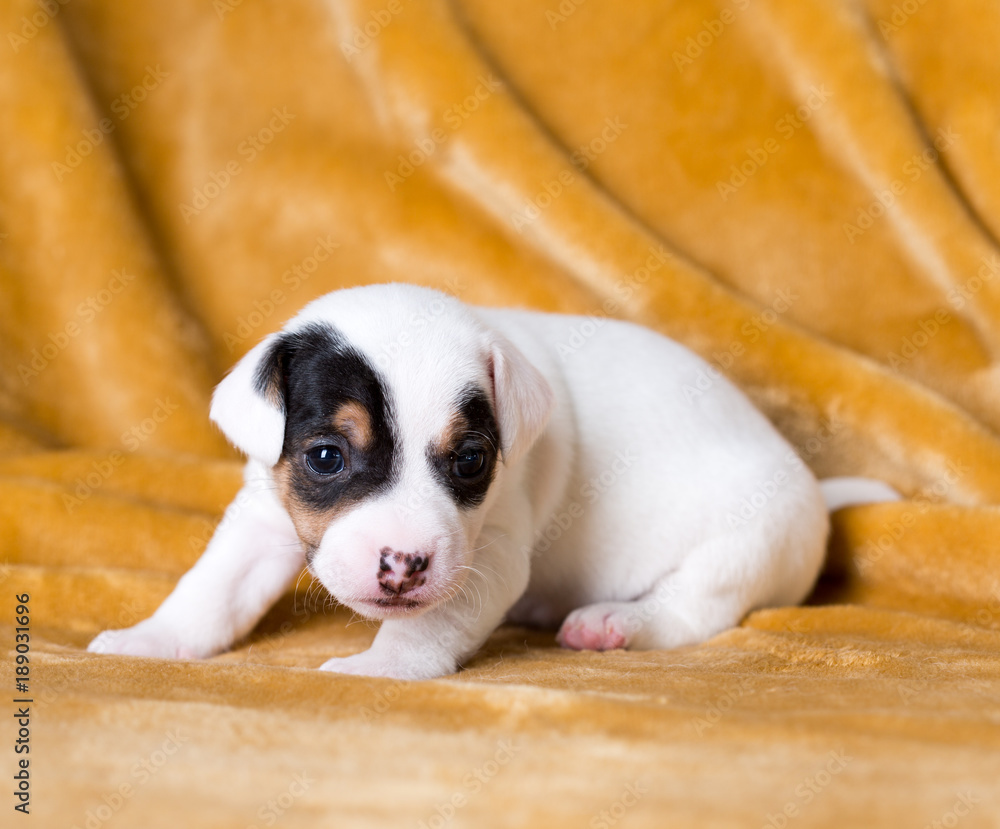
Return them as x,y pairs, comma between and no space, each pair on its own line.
803,191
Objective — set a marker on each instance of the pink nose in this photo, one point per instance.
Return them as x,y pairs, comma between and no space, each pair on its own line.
399,573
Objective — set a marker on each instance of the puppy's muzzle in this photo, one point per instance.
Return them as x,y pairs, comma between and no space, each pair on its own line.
400,573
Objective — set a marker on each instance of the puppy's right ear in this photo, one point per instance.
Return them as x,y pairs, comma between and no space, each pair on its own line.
249,404
523,398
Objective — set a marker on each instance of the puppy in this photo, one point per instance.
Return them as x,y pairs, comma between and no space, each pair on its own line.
444,468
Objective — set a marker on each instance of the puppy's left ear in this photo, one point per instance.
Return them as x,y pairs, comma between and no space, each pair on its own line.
523,397
249,404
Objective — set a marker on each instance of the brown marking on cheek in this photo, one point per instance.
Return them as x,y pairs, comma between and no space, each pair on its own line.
354,422
310,523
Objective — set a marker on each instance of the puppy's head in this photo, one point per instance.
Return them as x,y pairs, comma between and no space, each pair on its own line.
388,415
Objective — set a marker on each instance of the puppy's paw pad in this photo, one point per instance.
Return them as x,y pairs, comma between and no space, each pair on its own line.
596,628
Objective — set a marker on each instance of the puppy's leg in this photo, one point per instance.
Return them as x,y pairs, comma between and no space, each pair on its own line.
251,559
712,590
438,641
660,618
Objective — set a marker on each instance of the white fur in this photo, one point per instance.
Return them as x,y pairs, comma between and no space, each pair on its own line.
633,505
254,425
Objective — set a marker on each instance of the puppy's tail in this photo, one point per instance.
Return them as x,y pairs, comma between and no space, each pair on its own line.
848,492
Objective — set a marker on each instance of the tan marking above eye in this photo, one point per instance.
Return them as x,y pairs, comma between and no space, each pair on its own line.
453,434
353,421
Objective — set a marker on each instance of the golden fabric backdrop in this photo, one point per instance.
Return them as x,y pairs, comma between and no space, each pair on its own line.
803,191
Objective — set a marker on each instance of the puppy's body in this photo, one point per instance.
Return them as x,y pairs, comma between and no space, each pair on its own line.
442,467
660,500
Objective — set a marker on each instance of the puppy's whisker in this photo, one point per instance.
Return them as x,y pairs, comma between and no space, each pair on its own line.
295,592
478,571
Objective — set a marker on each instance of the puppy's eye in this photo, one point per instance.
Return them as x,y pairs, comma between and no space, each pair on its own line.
325,459
468,462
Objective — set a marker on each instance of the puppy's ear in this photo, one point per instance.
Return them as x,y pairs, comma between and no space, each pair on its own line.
523,397
249,404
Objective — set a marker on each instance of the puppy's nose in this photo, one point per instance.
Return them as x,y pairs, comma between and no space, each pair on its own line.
399,573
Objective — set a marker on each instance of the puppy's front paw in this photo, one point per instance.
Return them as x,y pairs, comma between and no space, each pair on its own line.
368,663
148,638
599,627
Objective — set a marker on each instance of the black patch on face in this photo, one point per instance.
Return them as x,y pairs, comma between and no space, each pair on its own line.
311,374
478,433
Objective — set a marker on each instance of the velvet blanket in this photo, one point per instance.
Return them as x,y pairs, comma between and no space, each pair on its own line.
805,192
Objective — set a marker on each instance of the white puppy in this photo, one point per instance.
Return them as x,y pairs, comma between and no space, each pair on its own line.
443,467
